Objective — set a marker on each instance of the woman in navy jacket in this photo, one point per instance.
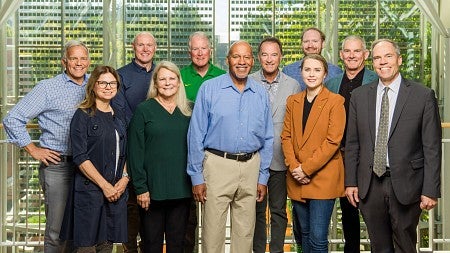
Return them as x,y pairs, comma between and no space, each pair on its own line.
98,137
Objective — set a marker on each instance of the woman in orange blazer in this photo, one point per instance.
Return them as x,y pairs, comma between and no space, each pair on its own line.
313,128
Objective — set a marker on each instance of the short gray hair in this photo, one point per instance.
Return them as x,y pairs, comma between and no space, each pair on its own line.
73,43
198,34
396,47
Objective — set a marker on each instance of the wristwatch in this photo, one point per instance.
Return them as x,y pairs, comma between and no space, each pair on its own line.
125,174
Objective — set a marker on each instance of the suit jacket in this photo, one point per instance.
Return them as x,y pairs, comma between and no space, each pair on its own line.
287,86
334,84
414,142
315,148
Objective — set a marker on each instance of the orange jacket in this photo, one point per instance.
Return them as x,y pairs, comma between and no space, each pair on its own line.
316,148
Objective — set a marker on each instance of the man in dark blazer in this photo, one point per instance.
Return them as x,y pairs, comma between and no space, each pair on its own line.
353,54
279,87
391,196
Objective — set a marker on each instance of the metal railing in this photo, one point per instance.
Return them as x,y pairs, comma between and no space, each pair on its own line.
22,216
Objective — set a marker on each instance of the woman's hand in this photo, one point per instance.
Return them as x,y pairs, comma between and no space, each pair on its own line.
121,185
300,176
111,194
144,200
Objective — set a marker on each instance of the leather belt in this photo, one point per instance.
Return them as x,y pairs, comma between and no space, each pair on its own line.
237,157
66,158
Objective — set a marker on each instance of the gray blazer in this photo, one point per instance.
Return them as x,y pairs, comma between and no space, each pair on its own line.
414,144
287,87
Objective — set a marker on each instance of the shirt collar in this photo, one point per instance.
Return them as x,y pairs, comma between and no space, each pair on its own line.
67,79
192,69
249,85
394,86
139,67
263,78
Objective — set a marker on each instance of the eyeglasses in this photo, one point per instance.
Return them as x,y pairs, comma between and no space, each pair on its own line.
104,84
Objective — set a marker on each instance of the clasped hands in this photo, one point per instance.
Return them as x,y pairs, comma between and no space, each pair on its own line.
114,192
300,176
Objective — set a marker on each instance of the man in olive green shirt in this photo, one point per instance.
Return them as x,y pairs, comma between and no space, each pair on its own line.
193,75
200,69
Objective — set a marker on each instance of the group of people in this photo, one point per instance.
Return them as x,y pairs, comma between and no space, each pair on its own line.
134,151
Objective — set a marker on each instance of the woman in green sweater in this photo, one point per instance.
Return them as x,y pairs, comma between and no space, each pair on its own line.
157,158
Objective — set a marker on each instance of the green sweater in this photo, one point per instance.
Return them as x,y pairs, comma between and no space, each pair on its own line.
157,152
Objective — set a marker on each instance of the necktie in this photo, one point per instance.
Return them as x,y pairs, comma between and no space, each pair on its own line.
379,160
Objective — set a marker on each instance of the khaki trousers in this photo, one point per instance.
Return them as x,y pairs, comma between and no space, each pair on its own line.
229,185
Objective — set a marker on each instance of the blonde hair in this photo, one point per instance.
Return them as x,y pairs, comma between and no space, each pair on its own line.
181,101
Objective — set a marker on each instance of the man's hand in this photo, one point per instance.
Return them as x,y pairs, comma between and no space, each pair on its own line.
199,192
44,155
427,203
261,192
144,200
352,195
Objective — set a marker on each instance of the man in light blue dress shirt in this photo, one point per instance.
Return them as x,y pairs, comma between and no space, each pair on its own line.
53,102
230,141
313,41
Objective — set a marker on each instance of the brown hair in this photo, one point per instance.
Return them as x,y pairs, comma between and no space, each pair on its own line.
88,104
317,57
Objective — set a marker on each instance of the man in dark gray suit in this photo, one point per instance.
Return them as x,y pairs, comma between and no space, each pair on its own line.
279,86
392,152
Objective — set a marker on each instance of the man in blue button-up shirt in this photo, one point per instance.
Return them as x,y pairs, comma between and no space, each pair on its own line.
313,41
230,142
52,102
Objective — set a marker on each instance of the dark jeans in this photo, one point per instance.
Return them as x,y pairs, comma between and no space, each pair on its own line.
277,195
315,216
167,220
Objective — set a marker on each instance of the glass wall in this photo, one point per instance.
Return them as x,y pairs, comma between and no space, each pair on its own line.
33,36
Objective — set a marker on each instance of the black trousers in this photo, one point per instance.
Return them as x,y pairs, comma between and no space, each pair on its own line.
167,220
351,226
391,225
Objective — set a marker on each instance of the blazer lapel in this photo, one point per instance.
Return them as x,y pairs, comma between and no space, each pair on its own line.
313,117
403,93
372,103
298,110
